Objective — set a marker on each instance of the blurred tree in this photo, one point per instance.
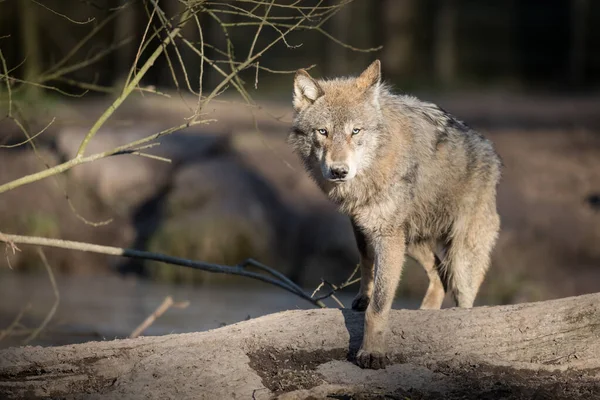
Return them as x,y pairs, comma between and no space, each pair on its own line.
336,56
398,20
126,26
445,42
215,35
31,45
436,42
577,59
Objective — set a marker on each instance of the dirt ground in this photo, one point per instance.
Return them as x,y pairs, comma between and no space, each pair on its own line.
285,372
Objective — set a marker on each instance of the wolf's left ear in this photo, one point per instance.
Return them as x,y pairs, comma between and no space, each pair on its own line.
370,77
306,90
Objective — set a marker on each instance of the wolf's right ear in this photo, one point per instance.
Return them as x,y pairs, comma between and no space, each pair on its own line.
306,90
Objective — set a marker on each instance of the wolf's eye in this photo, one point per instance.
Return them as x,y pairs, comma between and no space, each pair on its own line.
355,131
322,131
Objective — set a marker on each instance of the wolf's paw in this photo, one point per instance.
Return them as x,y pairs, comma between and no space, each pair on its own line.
374,360
360,302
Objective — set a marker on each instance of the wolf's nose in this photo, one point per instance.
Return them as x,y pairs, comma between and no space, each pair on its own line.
339,171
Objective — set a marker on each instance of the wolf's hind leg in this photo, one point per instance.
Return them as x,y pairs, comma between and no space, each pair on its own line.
423,253
469,256
362,299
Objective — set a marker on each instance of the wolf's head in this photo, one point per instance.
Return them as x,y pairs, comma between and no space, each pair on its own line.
337,122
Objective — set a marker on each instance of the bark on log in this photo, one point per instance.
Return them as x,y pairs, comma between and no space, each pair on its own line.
535,350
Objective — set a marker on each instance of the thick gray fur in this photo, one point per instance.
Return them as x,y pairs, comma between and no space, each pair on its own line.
412,178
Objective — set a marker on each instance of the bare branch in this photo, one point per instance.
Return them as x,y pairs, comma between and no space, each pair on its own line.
140,49
145,255
201,76
262,23
231,78
128,89
167,25
335,288
58,169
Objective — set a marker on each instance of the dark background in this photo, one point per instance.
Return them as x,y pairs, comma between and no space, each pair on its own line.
436,44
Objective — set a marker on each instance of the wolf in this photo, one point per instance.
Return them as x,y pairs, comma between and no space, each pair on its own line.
412,178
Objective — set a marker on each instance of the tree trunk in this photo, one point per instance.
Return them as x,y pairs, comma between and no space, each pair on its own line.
445,42
126,26
31,46
398,22
336,56
545,350
577,61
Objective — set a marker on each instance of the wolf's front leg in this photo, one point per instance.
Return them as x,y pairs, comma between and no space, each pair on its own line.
365,248
389,258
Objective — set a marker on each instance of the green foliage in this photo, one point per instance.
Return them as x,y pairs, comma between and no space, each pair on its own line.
41,224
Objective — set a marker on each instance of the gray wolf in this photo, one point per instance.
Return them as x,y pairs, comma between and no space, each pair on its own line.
412,178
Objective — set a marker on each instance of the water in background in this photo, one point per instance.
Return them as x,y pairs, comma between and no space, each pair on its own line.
109,307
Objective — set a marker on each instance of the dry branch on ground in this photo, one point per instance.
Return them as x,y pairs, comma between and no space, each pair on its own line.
544,350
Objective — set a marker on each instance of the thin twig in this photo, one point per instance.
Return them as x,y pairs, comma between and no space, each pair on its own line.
81,43
53,88
152,156
9,244
82,64
81,217
52,311
338,301
29,138
139,51
160,310
106,89
9,329
5,69
63,15
333,288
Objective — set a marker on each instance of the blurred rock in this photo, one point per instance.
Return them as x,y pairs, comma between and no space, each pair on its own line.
325,248
126,180
42,209
218,211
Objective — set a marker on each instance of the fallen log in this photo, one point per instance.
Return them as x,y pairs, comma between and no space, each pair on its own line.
537,350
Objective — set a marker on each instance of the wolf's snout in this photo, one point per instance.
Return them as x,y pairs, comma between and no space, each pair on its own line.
339,170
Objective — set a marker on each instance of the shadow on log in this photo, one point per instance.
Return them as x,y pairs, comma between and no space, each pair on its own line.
544,350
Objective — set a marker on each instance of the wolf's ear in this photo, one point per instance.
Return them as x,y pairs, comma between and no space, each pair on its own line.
370,77
306,90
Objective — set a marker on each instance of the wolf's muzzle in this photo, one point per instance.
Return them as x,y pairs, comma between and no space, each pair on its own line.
338,171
